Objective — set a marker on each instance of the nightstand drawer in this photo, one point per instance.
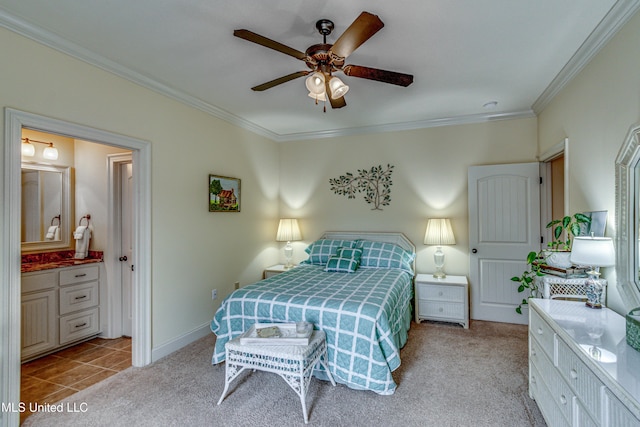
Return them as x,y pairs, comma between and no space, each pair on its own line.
449,310
440,292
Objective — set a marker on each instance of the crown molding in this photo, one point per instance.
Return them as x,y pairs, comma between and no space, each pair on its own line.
619,15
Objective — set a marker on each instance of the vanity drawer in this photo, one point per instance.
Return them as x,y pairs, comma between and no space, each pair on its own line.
77,326
79,297
541,332
38,281
78,275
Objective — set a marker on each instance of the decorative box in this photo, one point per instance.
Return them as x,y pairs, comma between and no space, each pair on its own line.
633,328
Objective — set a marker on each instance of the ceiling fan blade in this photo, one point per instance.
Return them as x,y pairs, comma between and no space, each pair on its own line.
271,44
361,30
335,103
384,76
279,81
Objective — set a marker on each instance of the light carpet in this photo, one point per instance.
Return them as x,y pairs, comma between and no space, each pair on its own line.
449,377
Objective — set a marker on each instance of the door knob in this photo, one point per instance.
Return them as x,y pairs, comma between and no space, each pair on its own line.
474,250
123,258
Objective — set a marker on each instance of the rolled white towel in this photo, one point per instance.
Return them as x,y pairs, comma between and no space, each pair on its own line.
51,232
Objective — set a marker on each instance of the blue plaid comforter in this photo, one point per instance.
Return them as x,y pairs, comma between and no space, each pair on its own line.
365,315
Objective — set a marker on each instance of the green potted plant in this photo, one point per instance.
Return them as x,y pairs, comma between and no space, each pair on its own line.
563,232
558,251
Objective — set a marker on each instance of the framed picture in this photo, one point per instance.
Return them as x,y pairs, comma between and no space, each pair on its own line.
224,194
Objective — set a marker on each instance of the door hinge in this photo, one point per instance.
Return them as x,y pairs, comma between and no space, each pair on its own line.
541,241
540,180
132,269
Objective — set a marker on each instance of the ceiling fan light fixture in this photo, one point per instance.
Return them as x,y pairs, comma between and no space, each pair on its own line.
337,87
318,96
315,83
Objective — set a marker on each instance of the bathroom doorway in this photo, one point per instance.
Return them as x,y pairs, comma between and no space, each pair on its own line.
15,121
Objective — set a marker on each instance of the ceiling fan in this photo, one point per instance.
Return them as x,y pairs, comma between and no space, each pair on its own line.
324,60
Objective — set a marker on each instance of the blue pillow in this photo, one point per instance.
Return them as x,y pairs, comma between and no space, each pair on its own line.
385,255
341,265
320,250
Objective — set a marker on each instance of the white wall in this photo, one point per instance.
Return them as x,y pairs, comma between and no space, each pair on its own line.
193,250
595,111
429,180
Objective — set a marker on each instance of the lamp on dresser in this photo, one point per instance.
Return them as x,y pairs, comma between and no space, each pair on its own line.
288,231
439,232
594,252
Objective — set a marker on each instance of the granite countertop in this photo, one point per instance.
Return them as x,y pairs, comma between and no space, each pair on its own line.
49,260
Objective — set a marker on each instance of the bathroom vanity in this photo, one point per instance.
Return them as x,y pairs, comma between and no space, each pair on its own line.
60,304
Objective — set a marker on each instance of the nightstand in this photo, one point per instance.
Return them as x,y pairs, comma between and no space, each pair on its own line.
274,269
446,300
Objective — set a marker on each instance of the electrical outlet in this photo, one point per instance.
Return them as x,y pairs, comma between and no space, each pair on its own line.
236,285
214,294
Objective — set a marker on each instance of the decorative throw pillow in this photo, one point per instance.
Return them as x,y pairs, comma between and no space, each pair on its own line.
354,253
385,255
341,265
320,250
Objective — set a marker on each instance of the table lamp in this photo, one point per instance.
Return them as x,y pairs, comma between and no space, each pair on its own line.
594,252
439,233
288,231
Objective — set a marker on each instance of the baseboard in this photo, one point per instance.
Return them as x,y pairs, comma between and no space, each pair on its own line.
176,344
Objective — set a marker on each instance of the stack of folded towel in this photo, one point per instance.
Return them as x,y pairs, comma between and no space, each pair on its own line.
82,236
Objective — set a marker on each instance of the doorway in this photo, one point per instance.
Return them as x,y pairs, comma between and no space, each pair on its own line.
15,121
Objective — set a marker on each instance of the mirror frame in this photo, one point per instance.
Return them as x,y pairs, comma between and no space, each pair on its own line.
65,223
627,216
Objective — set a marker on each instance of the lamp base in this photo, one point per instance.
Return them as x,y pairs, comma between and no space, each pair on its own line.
439,274
594,290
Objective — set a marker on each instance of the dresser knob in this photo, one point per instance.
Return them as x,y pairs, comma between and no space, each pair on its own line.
573,374
540,331
563,399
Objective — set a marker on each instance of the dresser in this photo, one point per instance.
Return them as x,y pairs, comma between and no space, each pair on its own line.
445,300
59,307
581,370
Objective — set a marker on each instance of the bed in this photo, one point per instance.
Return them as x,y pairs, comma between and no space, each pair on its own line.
365,310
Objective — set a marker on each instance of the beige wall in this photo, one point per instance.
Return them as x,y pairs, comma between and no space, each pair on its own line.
193,250
595,111
429,180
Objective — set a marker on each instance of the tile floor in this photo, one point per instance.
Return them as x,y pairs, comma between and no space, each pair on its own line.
59,375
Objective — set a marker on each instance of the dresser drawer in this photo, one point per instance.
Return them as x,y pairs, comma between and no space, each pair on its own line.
38,281
584,383
440,293
617,414
79,297
542,332
79,275
546,402
448,310
80,325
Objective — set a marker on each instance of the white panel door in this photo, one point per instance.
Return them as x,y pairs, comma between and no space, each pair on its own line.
504,226
126,175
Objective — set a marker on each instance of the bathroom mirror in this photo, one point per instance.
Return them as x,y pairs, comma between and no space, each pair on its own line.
45,207
627,219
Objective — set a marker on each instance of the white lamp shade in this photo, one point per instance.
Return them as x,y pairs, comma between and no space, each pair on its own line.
315,83
318,96
337,87
593,251
439,232
288,230
50,152
28,149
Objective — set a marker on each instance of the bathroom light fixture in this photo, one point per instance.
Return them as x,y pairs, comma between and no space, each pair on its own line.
439,233
288,231
28,149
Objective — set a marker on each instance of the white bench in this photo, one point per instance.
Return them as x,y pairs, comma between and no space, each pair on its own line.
294,363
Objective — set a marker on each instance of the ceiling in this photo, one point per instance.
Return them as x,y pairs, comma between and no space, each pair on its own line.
461,53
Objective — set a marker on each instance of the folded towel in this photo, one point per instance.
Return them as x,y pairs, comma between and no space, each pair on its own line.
51,232
57,234
79,233
82,243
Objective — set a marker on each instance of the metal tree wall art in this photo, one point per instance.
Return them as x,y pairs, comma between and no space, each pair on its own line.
375,183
